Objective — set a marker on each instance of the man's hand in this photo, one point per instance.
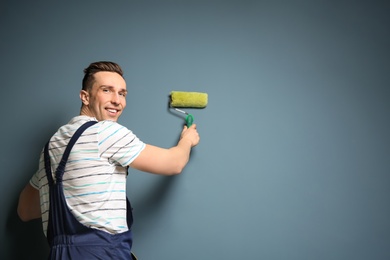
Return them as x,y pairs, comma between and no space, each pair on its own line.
190,134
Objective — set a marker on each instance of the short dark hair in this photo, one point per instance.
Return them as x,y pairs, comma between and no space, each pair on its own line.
95,67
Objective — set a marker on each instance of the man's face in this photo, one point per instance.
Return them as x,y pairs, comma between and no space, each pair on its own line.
107,99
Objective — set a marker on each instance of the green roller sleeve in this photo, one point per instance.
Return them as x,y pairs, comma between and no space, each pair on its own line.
188,99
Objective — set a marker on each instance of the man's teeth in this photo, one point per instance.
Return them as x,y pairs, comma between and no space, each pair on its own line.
112,110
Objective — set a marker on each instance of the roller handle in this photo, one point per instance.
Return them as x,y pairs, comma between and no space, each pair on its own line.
189,120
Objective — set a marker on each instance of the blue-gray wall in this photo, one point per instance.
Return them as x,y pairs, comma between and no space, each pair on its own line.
294,159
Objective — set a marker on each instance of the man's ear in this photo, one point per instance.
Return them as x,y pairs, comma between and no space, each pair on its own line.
84,96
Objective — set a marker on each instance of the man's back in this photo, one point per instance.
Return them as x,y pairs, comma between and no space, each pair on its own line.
95,177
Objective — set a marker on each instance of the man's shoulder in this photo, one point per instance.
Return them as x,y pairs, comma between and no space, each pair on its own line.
104,127
72,125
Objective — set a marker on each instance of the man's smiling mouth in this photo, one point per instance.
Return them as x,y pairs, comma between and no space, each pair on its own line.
112,111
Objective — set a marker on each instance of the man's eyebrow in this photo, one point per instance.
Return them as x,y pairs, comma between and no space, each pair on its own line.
111,87
106,86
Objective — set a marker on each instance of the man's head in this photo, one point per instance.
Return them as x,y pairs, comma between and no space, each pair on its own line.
103,93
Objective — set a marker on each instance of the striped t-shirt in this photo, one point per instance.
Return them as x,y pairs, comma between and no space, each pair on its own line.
95,175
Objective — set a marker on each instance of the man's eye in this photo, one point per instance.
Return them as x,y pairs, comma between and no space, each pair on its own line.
106,90
123,94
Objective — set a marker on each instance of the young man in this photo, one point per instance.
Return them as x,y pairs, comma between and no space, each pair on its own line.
84,210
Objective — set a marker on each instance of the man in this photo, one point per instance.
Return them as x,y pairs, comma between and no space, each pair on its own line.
84,210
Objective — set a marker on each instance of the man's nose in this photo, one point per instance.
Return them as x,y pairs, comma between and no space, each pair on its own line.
115,98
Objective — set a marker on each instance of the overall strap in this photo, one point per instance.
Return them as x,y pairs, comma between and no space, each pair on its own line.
61,166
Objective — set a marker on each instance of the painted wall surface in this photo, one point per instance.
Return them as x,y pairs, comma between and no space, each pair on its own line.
294,159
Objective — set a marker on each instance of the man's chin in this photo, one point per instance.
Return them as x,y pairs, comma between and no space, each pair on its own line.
112,117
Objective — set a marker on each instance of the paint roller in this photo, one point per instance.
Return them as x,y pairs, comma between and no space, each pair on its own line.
181,99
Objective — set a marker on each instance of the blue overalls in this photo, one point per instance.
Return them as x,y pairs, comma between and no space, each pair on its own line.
67,237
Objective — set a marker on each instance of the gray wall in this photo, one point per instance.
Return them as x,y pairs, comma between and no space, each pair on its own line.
294,155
